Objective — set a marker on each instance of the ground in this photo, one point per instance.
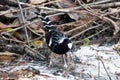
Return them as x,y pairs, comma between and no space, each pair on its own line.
95,63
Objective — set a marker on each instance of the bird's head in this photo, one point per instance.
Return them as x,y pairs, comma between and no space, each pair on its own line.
49,28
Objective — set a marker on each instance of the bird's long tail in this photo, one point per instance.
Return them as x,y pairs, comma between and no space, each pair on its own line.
45,19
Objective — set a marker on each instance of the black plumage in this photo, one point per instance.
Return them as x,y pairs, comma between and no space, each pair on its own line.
56,40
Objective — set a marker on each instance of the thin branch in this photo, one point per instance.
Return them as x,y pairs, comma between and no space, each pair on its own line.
33,53
76,42
105,69
85,31
79,27
100,16
23,21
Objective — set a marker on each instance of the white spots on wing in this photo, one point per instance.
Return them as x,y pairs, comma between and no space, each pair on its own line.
61,40
50,30
70,45
50,42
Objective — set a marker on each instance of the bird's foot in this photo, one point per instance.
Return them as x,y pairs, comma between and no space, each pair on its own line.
65,73
65,65
50,64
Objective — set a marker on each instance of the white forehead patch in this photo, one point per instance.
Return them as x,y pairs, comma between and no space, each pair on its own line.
69,45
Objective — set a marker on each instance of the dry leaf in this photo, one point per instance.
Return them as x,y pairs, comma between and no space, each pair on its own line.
117,47
18,36
8,56
2,25
74,16
117,28
86,1
37,44
65,4
37,1
6,29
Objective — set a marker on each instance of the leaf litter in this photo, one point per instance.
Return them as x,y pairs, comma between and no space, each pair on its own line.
89,67
83,21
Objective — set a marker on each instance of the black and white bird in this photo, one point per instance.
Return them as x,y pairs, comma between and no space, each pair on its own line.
58,42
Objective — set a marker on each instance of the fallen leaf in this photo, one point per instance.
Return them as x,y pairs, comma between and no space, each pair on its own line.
18,36
6,29
86,42
37,43
37,1
65,4
2,25
74,16
117,47
7,56
86,1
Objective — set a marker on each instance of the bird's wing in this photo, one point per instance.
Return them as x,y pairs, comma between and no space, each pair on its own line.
56,38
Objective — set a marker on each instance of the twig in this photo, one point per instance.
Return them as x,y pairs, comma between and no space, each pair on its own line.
11,39
23,21
46,8
117,29
105,69
92,12
103,6
98,5
112,12
76,42
98,68
33,53
99,58
33,31
95,3
61,10
50,2
13,10
79,27
85,31
26,24
115,4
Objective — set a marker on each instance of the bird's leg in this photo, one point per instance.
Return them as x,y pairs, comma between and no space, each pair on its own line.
50,64
66,65
67,58
66,61
51,60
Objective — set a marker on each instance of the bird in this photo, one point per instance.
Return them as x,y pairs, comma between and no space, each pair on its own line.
56,40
